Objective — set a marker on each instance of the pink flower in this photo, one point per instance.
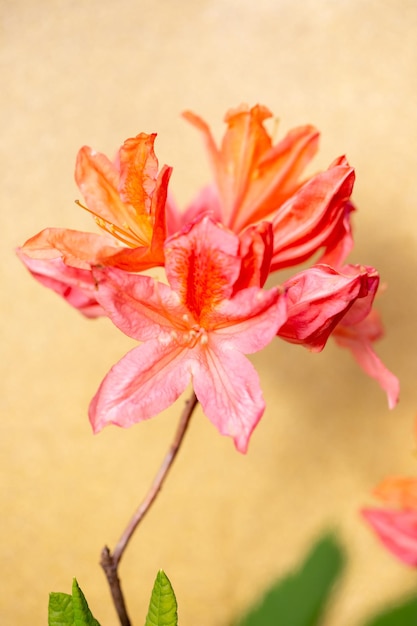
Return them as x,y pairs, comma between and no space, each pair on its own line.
127,199
396,528
196,329
258,181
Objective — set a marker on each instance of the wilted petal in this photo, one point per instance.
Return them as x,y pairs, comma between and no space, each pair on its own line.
397,530
76,286
319,297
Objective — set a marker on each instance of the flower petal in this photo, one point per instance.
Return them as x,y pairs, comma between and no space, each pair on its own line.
399,491
250,320
140,306
227,386
397,530
358,339
75,285
316,216
252,176
75,247
319,297
147,380
202,264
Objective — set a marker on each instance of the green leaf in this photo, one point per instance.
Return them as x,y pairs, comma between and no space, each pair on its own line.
82,614
66,610
300,598
404,614
163,605
60,611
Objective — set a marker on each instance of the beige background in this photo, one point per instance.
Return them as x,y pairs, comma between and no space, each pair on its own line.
76,72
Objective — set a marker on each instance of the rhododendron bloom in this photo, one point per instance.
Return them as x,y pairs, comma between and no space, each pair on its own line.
396,527
258,181
127,199
196,329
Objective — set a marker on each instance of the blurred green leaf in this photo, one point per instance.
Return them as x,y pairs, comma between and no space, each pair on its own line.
300,598
163,605
66,610
404,614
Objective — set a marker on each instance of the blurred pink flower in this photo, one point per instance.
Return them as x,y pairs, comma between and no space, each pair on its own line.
196,329
396,527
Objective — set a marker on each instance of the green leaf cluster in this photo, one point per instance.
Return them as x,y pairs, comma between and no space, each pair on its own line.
300,598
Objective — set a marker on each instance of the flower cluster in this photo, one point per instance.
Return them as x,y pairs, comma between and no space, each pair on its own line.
395,523
260,215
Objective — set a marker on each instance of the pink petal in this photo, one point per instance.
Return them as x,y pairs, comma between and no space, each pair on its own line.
397,530
75,285
313,216
228,389
256,247
75,248
372,365
250,320
202,264
358,337
319,297
147,380
140,306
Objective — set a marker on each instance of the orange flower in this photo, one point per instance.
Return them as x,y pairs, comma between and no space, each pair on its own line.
127,199
258,181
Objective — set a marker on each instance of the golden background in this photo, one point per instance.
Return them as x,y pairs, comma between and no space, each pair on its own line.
95,73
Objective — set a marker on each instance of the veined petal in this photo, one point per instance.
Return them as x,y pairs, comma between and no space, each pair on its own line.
227,386
128,198
76,248
138,172
140,306
75,285
252,176
250,320
147,380
397,530
202,264
314,216
98,179
359,342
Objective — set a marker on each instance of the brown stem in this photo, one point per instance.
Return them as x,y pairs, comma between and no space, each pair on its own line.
110,562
